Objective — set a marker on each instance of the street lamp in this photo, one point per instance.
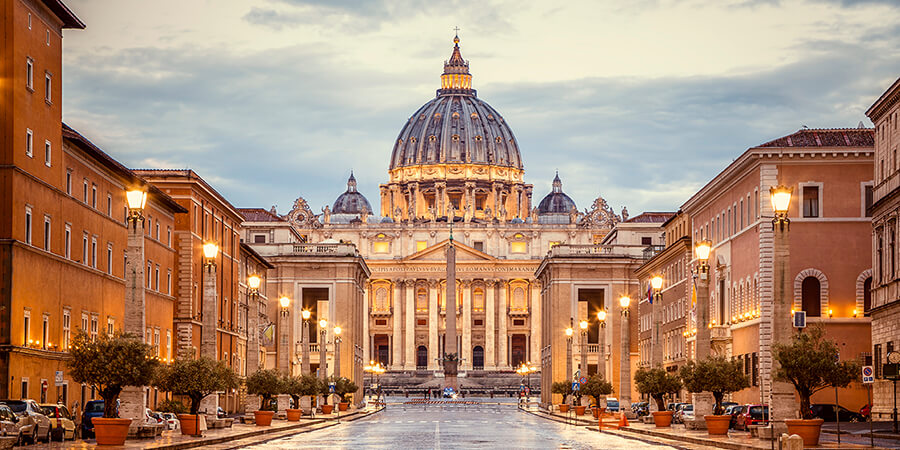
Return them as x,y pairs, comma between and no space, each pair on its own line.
781,201
583,325
569,333
136,200
210,252
703,401
625,361
601,357
323,329
337,351
782,403
253,283
701,252
133,398
304,364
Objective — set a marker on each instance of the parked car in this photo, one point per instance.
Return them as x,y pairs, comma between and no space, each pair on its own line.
752,415
826,411
30,412
678,416
9,423
640,408
220,413
612,404
726,405
171,421
63,430
152,417
733,411
93,408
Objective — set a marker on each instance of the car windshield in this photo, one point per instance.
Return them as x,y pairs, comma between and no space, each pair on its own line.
612,403
94,407
758,411
49,411
17,406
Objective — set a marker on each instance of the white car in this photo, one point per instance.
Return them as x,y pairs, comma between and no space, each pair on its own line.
32,414
171,421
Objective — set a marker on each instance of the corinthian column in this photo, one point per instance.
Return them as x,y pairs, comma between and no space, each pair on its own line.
467,325
397,337
535,315
502,337
410,313
490,311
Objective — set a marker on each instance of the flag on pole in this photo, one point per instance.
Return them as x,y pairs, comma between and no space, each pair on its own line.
694,293
650,292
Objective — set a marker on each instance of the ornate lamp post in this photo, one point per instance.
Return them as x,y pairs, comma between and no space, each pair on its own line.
601,357
703,401
323,330
209,317
584,365
133,400
781,396
337,351
283,331
625,362
656,348
304,367
569,333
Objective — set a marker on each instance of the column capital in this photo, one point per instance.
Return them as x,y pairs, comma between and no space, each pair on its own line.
466,283
409,282
433,282
490,282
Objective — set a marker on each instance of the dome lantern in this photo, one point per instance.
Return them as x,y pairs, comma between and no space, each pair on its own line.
456,78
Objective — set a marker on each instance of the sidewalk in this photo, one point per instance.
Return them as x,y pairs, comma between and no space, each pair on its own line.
239,435
736,440
882,430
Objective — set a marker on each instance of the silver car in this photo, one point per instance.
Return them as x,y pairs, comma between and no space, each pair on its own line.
36,426
10,424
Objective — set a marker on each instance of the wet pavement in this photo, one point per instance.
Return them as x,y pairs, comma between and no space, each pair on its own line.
489,423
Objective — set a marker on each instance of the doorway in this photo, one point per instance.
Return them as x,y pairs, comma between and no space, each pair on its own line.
478,358
422,357
517,349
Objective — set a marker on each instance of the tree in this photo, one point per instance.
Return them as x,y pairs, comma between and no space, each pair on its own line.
266,384
657,383
811,363
597,387
715,374
196,379
300,386
110,363
563,388
343,387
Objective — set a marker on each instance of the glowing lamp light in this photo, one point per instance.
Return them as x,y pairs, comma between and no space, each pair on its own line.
305,314
656,282
136,199
781,198
624,301
253,282
830,312
210,250
570,331
583,324
284,302
323,323
601,315
701,250
337,330
855,312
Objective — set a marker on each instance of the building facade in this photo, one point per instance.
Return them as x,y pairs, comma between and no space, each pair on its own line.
883,303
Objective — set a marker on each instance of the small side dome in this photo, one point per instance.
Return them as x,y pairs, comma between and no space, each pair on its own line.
351,201
516,220
556,202
387,220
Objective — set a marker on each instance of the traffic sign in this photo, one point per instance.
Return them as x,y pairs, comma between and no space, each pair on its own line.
576,386
868,375
799,319
59,378
331,387
582,380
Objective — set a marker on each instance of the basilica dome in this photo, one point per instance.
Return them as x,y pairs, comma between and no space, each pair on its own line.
456,127
556,202
351,201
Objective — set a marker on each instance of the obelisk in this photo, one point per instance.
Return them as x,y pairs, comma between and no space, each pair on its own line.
451,352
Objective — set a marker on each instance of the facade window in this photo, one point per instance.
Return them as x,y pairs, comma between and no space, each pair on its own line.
29,142
48,87
85,197
48,153
109,253
168,345
94,252
421,299
28,225
26,328
94,196
867,294
45,331
46,233
381,301
518,247
69,181
891,269
156,276
29,21
84,322
810,201
66,329
149,274
68,243
867,200
169,282
29,73
646,240
110,326
169,236
381,247
157,230
259,239
742,215
478,299
109,204
421,245
156,342
84,249
811,294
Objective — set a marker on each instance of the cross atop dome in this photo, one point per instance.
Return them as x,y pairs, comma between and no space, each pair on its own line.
456,79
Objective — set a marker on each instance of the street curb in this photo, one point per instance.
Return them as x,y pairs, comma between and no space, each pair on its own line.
878,435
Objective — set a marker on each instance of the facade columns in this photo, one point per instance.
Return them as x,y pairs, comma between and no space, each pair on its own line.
502,338
490,347
397,329
365,323
467,325
534,315
433,318
409,343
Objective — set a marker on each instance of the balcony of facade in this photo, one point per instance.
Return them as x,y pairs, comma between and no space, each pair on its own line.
582,250
381,312
886,186
518,312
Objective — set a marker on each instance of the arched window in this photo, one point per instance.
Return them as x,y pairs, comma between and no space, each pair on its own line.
381,301
421,357
518,300
812,297
867,294
421,300
478,299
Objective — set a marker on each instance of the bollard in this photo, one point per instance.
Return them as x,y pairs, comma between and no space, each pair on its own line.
792,442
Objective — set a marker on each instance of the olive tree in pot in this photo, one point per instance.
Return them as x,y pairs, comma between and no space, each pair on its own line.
108,364
719,376
309,387
598,388
266,384
563,388
291,386
810,363
195,379
657,383
344,388
325,392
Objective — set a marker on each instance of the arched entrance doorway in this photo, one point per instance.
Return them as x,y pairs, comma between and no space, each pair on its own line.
517,349
478,358
421,357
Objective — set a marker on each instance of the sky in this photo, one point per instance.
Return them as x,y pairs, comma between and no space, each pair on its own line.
641,102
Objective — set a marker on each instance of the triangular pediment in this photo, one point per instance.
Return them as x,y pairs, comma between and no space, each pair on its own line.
438,252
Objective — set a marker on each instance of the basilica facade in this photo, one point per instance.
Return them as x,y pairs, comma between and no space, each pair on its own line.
454,168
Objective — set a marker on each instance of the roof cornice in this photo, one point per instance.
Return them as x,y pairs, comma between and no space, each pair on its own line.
889,98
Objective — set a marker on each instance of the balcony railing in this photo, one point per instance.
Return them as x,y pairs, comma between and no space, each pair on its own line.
380,312
651,250
563,250
517,311
314,348
325,249
593,348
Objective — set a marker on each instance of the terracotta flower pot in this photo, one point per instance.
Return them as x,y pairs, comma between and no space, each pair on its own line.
263,418
327,409
342,406
190,424
293,415
110,431
596,411
563,408
806,429
662,419
717,425
579,410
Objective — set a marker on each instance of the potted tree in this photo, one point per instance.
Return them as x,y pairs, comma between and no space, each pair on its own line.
720,376
598,388
309,387
325,392
810,363
657,383
579,408
343,387
293,388
563,388
266,384
108,364
195,379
